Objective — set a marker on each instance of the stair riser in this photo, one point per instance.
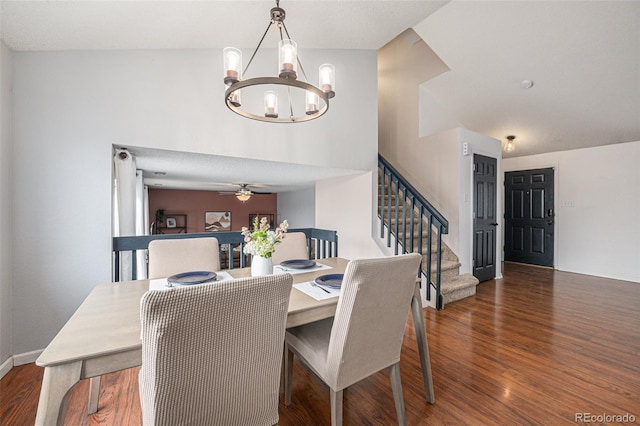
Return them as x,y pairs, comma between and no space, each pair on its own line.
425,243
458,294
445,275
446,254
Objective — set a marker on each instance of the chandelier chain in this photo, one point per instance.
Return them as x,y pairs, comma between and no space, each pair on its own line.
257,47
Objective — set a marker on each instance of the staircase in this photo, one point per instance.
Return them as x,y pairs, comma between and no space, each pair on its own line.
411,224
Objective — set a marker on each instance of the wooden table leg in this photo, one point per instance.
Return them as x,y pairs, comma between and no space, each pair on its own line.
54,395
423,344
94,392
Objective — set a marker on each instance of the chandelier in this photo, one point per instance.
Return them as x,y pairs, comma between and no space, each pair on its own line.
302,100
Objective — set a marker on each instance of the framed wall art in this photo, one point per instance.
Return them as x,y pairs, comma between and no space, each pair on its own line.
217,221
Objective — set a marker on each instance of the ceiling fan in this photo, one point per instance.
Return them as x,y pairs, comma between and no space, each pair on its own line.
243,193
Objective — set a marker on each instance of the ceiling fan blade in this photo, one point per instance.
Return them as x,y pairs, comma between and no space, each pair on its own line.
244,188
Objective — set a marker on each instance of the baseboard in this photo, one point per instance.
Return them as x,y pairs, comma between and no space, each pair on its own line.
6,367
26,358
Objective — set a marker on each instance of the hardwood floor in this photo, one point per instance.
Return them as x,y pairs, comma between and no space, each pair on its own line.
536,347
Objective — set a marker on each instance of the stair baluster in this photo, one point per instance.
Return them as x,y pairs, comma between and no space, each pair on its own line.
420,210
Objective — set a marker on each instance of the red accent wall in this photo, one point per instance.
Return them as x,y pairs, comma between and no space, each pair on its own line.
195,203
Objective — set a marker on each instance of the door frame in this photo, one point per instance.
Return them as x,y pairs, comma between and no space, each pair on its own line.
521,166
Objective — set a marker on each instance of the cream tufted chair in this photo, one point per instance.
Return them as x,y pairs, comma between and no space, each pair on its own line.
169,257
292,246
365,336
212,353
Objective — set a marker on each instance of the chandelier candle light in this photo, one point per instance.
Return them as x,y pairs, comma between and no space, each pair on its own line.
305,101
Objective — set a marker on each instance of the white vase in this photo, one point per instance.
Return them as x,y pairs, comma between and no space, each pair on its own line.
261,266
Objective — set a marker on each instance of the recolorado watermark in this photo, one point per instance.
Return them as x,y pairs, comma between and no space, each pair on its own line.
604,418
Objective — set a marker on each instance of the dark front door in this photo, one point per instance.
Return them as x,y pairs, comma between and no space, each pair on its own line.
529,216
484,219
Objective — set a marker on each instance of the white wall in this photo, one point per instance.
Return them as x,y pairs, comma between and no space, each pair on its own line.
597,204
344,204
433,168
70,107
5,202
298,207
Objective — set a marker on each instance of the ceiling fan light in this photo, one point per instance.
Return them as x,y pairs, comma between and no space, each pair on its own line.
244,193
243,197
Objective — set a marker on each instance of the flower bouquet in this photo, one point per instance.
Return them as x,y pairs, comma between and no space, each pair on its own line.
262,240
261,243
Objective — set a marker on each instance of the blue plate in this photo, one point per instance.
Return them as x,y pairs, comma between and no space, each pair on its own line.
298,263
330,280
190,278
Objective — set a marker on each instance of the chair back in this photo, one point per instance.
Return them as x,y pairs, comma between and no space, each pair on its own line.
370,318
292,246
212,353
169,257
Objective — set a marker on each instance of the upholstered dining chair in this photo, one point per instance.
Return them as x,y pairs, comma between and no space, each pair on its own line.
212,353
169,257
292,246
365,336
166,258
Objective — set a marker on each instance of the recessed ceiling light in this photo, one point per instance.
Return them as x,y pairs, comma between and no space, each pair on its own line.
526,84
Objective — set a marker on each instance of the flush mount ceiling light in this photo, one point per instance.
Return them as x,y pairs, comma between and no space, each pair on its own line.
510,146
526,84
258,98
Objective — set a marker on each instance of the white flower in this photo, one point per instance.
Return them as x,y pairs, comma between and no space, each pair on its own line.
262,241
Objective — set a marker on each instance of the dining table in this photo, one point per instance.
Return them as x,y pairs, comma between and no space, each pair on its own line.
103,335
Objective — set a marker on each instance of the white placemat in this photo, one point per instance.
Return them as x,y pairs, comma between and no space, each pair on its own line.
280,269
161,283
316,292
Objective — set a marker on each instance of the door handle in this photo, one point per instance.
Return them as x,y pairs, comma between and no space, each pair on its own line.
493,224
549,222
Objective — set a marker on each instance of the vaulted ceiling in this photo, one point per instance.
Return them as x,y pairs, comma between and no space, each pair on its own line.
583,57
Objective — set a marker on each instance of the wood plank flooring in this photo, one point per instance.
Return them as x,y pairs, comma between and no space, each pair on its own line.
534,348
